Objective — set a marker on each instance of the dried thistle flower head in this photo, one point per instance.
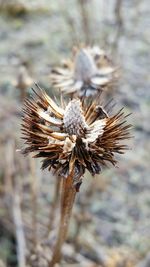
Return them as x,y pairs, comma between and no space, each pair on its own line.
89,72
74,138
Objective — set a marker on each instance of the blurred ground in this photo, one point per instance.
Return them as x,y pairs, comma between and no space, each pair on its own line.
115,224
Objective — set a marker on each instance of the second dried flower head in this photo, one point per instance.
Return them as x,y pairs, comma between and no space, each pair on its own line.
89,72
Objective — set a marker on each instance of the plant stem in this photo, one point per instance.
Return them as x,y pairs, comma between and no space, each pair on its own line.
67,200
34,202
54,205
85,20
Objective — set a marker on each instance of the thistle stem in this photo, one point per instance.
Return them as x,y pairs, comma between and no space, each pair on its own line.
54,205
67,200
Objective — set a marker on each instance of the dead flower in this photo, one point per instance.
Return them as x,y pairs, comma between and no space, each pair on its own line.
72,138
90,72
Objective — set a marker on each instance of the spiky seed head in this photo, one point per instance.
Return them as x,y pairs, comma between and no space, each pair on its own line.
74,121
90,72
72,139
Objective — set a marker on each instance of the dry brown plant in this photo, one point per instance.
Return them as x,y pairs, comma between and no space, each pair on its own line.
71,138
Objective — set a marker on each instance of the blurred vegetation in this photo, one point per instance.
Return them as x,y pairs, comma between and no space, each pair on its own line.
111,219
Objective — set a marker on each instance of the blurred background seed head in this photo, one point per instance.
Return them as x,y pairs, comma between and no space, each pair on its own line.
89,73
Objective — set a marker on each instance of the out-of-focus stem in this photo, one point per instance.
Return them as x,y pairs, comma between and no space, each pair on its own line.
85,20
17,218
67,200
118,12
34,188
12,190
119,24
